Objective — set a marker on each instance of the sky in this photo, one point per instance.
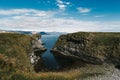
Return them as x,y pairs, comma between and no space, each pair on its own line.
60,15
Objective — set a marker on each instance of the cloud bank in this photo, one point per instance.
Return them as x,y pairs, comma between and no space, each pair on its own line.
36,20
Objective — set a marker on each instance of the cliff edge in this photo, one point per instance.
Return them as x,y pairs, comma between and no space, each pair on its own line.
91,47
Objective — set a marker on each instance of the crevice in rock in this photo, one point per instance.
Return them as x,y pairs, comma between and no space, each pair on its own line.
117,66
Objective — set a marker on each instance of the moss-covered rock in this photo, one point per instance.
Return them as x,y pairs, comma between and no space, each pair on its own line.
90,47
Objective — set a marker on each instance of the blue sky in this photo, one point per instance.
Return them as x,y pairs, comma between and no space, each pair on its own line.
60,15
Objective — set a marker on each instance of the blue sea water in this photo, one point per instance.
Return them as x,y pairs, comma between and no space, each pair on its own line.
48,57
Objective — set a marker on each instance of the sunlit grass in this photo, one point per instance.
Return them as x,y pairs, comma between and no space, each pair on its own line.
66,74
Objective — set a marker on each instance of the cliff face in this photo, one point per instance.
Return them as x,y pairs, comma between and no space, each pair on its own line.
37,50
95,48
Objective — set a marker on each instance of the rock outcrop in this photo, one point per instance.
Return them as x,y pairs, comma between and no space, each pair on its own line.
37,44
90,47
37,50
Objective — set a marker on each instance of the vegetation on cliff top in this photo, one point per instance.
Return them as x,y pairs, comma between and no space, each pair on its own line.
14,53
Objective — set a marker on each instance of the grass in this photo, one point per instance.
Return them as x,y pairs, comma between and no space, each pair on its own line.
65,74
16,48
14,53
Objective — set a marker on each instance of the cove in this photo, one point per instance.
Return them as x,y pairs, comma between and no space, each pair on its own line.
48,58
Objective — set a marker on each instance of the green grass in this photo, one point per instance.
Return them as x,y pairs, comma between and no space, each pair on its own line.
14,53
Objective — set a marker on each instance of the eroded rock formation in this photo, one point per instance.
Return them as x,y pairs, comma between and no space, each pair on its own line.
90,47
37,50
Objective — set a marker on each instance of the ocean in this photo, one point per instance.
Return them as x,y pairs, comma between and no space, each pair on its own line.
48,58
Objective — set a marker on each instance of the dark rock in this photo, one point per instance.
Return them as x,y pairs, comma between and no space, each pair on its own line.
39,66
117,66
37,51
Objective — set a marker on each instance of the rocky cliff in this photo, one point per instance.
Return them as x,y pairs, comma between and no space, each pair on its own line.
91,47
37,50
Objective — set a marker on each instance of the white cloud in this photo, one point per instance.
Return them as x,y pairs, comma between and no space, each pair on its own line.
48,22
26,12
62,5
99,16
67,3
83,10
60,1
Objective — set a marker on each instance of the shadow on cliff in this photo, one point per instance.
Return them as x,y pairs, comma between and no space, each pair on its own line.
67,63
